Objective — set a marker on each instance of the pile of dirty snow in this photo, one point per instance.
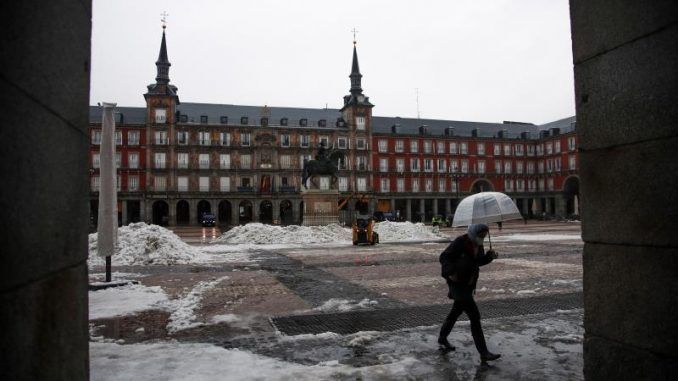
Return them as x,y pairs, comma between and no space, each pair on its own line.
405,231
142,244
257,233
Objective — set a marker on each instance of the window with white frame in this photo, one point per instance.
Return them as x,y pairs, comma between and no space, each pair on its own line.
225,161
414,164
225,139
540,149
550,183
342,162
428,165
481,148
530,168
160,183
532,185
303,159
160,115
399,145
400,165
549,165
305,140
519,150
96,137
572,162
132,183
182,137
508,185
204,161
428,146
556,146
383,165
400,185
549,148
385,185
453,148
383,145
342,142
441,185
133,160
442,165
285,161
497,149
361,184
360,122
464,166
182,183
96,183
160,137
481,166
246,182
118,183
454,166
558,164
428,183
507,167
497,166
159,160
245,139
324,182
245,161
530,150
118,160
454,185
464,148
343,184
118,138
324,139
570,143
540,167
204,138
520,185
225,184
133,138
414,146
541,184
361,163
204,183
440,147
182,160
507,150
361,143
415,185
519,167
96,160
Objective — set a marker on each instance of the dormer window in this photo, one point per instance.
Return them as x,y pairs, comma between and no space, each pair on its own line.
223,120
264,122
244,120
283,122
183,118
203,119
322,123
160,115
360,123
303,122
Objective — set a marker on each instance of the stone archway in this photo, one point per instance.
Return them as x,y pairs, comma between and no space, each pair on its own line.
160,213
245,212
204,206
481,185
571,196
266,212
183,213
286,213
225,212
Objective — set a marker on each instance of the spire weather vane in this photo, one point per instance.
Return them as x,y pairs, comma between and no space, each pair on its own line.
164,19
354,33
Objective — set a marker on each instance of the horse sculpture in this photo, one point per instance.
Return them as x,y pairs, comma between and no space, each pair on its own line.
326,165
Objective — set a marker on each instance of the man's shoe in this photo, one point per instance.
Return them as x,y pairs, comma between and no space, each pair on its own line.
445,345
489,356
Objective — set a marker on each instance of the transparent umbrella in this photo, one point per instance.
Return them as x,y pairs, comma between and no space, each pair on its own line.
485,208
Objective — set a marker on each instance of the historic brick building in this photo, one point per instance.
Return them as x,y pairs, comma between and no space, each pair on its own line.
243,163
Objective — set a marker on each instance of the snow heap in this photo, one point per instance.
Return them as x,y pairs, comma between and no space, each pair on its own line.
257,233
141,244
125,300
405,231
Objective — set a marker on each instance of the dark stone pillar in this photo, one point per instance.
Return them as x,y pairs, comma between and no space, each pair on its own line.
625,57
44,99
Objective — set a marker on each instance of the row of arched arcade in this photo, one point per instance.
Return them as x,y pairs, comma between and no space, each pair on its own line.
189,212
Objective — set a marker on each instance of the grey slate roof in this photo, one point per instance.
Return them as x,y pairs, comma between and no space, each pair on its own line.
380,124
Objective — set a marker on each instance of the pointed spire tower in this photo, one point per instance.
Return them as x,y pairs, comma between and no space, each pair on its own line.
162,87
356,96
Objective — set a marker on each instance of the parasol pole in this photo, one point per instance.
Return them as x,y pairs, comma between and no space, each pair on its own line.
489,238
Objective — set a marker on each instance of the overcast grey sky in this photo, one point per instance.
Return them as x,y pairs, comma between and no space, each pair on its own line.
475,60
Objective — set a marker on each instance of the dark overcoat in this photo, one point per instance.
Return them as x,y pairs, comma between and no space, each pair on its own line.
460,267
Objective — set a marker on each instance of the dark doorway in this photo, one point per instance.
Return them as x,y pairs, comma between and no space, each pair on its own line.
160,213
301,211
417,216
244,212
133,212
183,213
428,210
286,213
400,209
571,194
225,213
266,212
203,207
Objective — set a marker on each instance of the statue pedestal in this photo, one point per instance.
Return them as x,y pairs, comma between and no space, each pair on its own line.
321,207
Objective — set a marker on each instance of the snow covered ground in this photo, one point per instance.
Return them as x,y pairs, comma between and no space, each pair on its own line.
536,237
125,300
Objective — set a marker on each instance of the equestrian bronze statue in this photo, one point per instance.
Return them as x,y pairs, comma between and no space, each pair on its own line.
325,163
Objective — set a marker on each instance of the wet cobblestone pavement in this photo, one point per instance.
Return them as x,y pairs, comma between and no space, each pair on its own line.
364,306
